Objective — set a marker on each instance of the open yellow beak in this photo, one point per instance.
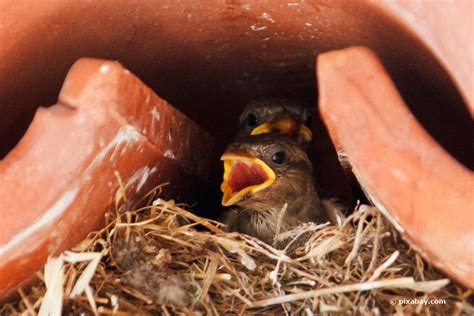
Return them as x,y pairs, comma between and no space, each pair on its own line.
243,176
283,126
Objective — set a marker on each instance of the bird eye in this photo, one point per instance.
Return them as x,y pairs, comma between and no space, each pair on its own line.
279,157
252,120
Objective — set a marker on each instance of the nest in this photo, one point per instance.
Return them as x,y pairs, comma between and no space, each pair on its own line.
163,259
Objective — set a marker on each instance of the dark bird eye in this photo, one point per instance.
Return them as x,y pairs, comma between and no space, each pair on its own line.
279,157
252,120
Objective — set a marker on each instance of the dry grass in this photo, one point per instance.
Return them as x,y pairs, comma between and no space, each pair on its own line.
162,259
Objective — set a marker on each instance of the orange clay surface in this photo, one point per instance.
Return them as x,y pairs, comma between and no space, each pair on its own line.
57,183
425,193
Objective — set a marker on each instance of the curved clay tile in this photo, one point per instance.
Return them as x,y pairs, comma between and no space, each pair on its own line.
424,192
58,181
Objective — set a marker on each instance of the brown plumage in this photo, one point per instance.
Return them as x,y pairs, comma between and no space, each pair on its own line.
262,173
283,116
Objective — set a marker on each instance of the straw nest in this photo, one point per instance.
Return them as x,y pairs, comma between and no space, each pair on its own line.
163,259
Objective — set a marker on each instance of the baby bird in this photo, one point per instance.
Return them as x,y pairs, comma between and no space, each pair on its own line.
276,116
268,179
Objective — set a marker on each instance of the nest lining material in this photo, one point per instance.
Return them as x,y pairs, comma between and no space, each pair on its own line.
164,259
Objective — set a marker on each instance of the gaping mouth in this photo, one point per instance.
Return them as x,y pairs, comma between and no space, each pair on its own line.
243,176
284,126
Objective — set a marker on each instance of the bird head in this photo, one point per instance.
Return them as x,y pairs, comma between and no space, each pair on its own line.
276,116
262,169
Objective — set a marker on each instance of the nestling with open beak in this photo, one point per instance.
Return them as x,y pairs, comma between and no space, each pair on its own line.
291,118
282,116
261,174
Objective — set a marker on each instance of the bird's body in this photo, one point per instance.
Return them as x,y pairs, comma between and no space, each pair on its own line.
264,221
268,182
291,118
